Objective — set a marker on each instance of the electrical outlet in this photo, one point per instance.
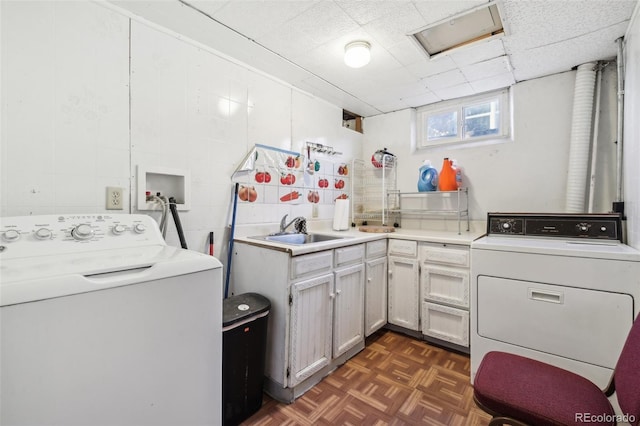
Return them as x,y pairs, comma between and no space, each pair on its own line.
114,198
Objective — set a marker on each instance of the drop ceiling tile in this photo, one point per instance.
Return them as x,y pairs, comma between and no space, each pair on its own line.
428,67
421,99
478,52
324,21
444,80
253,18
486,69
391,28
407,52
364,12
564,56
544,22
392,106
453,92
437,10
495,82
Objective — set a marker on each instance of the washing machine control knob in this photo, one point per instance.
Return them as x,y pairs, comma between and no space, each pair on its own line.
139,228
11,235
118,229
82,232
603,229
43,234
506,226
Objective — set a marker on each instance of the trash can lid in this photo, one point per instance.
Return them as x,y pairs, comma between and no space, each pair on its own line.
242,306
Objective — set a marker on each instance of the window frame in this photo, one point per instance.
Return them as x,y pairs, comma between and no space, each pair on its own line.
459,105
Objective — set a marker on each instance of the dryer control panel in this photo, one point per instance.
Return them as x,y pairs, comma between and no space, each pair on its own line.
560,225
28,236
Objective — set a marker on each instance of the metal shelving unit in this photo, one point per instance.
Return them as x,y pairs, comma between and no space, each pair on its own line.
433,203
369,188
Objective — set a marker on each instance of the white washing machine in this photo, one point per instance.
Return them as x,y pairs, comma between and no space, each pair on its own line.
561,289
102,323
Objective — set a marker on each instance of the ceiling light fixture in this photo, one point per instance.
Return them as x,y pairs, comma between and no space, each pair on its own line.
357,54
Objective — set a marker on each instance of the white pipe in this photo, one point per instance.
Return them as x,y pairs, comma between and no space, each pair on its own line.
580,138
620,63
594,144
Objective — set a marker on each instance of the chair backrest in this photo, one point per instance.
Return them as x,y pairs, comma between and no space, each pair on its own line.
627,375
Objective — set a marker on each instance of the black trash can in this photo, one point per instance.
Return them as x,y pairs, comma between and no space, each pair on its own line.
244,345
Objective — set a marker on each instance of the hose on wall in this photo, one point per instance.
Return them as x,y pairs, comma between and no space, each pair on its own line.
579,144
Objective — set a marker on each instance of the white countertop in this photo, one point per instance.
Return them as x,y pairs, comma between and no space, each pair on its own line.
353,236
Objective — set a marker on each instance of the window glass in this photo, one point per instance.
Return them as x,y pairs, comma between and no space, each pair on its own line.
474,118
442,125
482,119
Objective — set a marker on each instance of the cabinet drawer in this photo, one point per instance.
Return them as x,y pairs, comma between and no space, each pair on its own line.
445,323
311,264
349,255
376,249
403,248
442,284
445,254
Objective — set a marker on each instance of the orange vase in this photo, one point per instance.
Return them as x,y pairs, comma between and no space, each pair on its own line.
447,177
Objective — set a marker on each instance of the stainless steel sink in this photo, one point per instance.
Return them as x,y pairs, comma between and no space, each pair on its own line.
298,239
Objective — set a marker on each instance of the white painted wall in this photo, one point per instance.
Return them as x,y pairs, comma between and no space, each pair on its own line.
526,174
631,166
71,126
64,106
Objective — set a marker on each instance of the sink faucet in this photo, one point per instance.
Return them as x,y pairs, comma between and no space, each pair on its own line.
300,224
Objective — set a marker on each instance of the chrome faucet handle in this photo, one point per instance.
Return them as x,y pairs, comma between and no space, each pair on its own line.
283,223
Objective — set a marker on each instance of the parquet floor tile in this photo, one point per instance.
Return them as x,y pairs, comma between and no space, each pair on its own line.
396,380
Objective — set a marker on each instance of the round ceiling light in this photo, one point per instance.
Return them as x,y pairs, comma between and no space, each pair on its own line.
357,54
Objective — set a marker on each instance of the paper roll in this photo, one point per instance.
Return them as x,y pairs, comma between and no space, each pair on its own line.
341,215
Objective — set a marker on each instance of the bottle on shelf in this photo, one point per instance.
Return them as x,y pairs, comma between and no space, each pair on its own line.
458,171
447,177
427,178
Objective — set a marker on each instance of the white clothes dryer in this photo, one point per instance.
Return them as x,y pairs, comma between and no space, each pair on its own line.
560,288
102,323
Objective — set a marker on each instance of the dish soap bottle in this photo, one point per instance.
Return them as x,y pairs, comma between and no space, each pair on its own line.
428,177
447,178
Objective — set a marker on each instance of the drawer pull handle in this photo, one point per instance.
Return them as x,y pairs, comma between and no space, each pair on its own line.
545,296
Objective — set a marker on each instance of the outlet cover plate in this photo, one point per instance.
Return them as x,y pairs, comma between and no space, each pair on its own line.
115,199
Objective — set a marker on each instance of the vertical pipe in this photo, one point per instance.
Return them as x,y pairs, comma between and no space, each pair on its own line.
594,144
620,63
580,138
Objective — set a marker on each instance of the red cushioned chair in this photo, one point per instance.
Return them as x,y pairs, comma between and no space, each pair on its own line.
520,391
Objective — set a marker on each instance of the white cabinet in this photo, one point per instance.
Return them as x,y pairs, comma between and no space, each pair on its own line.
444,281
403,284
375,310
317,311
311,321
348,320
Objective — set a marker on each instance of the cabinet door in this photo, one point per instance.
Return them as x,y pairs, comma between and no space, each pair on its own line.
404,293
442,284
310,325
445,323
375,295
348,324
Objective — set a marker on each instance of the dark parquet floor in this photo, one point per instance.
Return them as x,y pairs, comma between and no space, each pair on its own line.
395,380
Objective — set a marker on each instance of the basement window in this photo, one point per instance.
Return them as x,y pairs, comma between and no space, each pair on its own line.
469,119
473,25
